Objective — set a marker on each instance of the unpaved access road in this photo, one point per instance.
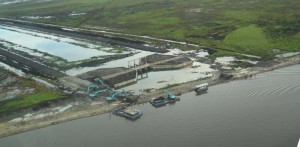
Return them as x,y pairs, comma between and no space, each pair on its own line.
28,65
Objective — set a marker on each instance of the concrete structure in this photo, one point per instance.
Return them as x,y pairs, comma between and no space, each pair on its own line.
121,77
74,83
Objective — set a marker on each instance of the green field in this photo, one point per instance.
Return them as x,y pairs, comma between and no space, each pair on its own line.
28,100
41,94
256,27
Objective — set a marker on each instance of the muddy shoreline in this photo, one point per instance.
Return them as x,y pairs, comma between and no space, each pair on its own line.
8,128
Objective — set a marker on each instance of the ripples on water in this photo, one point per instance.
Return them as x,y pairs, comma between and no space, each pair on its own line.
290,85
261,112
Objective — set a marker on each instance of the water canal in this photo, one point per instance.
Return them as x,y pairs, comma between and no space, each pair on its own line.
65,48
261,112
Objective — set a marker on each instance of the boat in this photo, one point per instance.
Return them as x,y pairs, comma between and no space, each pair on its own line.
127,112
202,88
159,102
132,114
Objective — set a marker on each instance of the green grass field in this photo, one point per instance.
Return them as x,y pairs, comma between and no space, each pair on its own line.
41,94
29,100
232,26
249,37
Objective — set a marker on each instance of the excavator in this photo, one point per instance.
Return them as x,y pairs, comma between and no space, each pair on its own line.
171,97
93,95
92,87
99,81
114,94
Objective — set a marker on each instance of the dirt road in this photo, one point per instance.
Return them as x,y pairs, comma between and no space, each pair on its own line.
28,65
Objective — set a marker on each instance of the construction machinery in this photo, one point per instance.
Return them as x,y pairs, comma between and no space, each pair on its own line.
114,94
92,88
171,97
95,94
97,88
99,81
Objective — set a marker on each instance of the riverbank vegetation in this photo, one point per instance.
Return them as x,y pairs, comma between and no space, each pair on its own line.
262,28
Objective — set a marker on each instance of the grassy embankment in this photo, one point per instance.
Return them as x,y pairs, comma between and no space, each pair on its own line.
262,28
41,94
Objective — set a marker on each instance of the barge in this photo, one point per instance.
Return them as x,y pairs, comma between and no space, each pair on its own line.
159,102
127,112
162,101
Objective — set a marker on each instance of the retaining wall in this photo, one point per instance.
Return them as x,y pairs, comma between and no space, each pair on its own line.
171,67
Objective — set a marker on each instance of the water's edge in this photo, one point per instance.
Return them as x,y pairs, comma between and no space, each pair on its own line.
8,130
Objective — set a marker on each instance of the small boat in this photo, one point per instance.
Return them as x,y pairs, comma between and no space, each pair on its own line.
159,102
202,88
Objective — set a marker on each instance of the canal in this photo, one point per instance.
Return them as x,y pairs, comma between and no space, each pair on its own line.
259,112
65,48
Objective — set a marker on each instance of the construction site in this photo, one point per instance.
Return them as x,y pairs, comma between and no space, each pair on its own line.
137,70
60,74
95,68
